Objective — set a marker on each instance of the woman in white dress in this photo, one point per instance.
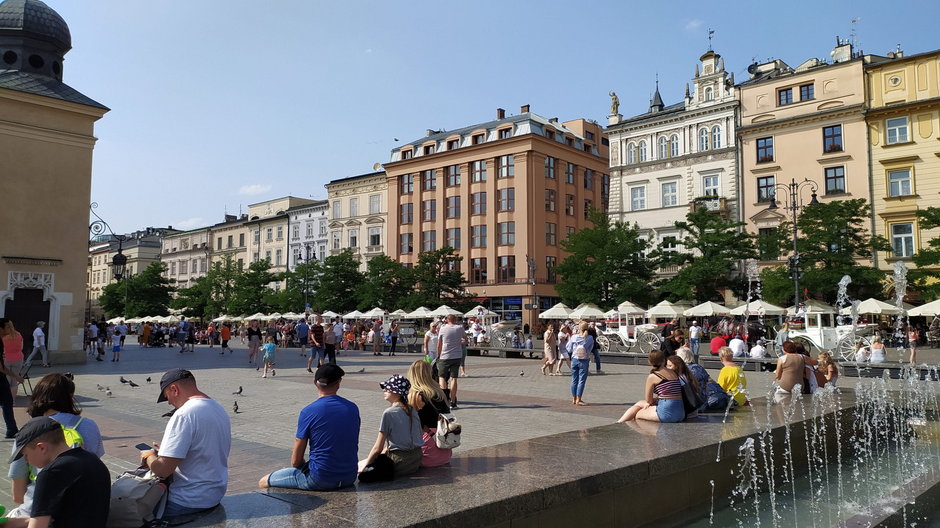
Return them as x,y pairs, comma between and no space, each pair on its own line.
878,354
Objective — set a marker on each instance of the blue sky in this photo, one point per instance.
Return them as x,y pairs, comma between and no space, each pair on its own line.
218,104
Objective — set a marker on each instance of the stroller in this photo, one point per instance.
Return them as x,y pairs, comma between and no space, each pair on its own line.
157,339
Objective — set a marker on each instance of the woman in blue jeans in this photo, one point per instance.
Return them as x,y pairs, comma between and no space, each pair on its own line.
579,347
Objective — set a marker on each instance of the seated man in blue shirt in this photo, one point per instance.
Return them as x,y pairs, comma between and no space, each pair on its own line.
331,426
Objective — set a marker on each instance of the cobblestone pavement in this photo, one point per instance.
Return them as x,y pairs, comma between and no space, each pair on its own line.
501,400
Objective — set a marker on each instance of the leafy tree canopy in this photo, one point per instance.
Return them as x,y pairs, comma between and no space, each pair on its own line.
147,293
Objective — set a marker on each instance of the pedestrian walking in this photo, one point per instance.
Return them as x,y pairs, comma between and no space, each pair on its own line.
579,347
270,346
39,345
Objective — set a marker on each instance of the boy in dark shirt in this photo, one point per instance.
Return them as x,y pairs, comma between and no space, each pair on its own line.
74,487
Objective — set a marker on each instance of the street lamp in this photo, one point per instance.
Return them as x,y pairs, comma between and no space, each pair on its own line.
119,261
306,269
794,204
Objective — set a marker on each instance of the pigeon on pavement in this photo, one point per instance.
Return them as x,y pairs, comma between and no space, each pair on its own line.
239,391
522,373
148,379
122,380
360,371
100,387
132,384
108,392
235,407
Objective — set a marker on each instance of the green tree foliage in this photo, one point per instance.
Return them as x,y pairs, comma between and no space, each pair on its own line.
923,279
606,265
337,283
386,284
194,300
437,280
713,250
300,287
147,293
250,289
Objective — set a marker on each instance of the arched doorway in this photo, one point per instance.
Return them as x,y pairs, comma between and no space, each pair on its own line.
24,309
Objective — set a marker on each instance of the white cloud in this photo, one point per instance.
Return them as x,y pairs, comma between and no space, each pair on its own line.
251,190
693,25
190,223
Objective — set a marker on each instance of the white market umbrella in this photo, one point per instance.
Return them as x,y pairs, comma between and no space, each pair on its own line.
114,320
587,311
222,319
398,314
872,307
707,309
355,314
666,309
628,307
759,307
330,313
171,319
931,308
421,313
443,311
259,316
275,315
375,313
559,311
480,311
814,307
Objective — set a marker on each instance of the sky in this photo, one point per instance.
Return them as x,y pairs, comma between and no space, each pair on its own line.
219,104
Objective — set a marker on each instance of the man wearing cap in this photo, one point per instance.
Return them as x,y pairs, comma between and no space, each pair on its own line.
194,449
74,486
694,332
331,426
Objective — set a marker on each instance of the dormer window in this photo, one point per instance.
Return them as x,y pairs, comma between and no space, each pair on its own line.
407,154
429,149
550,134
478,139
453,144
709,94
505,133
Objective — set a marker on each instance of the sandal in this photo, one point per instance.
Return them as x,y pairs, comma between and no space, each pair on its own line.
581,403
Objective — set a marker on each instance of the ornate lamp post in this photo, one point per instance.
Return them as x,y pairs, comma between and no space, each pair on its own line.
119,261
793,202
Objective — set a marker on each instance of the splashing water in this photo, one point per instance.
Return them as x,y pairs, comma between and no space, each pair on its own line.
842,297
901,320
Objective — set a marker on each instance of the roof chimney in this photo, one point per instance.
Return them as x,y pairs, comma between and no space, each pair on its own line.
524,109
428,132
553,120
500,113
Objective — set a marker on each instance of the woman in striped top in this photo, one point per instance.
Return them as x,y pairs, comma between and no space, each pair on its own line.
663,401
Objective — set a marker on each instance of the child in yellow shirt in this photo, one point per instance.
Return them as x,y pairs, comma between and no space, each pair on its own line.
731,377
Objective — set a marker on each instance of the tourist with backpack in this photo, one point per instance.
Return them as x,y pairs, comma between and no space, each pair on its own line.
580,346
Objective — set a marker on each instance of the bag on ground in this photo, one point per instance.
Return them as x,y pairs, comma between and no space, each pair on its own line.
135,496
448,431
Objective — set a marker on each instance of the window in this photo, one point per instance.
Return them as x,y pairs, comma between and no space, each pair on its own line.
784,96
173,268
407,154
257,237
550,264
765,188
478,236
569,204
569,173
631,153
309,226
453,175
507,199
452,238
569,230
353,238
506,272
709,93
429,149
832,138
453,144
280,233
375,204
375,236
267,256
478,139
716,137
588,179
551,234
407,243
335,237
478,203
550,134
277,257
478,171
505,133
507,233
669,244
478,271
453,207
231,239
670,194
674,145
354,207
549,167
429,210
407,185
587,208
241,240
257,256
641,151
902,239
269,234
703,140
896,130
589,135
505,166
710,185
899,182
835,180
767,247
549,199
663,148
428,180
428,240
184,267
637,198
322,228
765,150
407,213
807,92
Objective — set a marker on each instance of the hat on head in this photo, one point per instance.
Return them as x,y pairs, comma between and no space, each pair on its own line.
397,384
171,377
327,374
32,430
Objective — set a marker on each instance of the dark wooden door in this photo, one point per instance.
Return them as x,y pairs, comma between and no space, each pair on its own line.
24,309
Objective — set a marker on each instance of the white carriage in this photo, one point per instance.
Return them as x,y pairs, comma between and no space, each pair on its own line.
627,329
817,327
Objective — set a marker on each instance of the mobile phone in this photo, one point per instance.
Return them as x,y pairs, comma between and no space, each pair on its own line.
143,446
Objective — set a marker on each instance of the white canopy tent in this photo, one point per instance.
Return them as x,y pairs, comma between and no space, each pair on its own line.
444,310
420,313
666,309
355,314
398,314
481,311
759,307
931,308
559,311
707,309
872,307
587,311
814,307
628,307
330,313
375,313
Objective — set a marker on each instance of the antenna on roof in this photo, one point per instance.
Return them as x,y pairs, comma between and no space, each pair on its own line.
711,33
853,36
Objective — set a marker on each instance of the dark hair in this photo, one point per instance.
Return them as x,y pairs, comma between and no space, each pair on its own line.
790,347
801,349
683,370
657,360
56,392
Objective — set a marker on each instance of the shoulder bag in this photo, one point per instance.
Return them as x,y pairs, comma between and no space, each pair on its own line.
448,431
690,399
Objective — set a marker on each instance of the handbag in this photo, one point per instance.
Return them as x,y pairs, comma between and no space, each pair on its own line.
690,399
448,431
137,497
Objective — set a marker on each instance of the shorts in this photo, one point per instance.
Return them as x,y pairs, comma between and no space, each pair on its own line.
268,358
303,340
116,348
294,478
225,343
448,368
317,352
670,410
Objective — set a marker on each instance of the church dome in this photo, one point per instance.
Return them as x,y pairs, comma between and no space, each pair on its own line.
37,19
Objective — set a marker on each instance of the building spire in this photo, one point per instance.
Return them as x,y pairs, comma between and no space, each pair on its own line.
656,103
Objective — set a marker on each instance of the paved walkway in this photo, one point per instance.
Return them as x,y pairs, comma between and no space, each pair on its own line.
502,400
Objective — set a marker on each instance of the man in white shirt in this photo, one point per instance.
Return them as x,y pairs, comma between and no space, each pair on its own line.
194,449
694,332
758,350
449,352
122,327
93,341
738,346
39,345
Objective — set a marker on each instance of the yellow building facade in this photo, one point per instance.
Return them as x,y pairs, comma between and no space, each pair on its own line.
904,135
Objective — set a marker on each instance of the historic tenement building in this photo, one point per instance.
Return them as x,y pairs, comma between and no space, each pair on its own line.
670,158
308,232
358,216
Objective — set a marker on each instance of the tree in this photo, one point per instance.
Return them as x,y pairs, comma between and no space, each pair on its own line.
147,293
923,278
338,281
713,250
251,287
437,279
606,264
300,287
385,284
223,275
194,300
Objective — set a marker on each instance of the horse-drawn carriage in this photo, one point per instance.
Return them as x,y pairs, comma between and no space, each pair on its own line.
818,327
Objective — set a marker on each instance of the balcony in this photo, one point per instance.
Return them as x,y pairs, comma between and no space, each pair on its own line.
374,250
712,204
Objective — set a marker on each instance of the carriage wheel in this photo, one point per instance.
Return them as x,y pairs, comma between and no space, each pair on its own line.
810,346
648,342
502,338
848,345
604,343
410,339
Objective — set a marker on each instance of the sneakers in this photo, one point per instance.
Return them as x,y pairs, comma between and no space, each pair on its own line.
273,373
308,370
264,375
453,405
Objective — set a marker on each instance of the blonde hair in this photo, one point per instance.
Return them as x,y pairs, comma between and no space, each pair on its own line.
826,359
876,339
583,328
419,374
725,353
